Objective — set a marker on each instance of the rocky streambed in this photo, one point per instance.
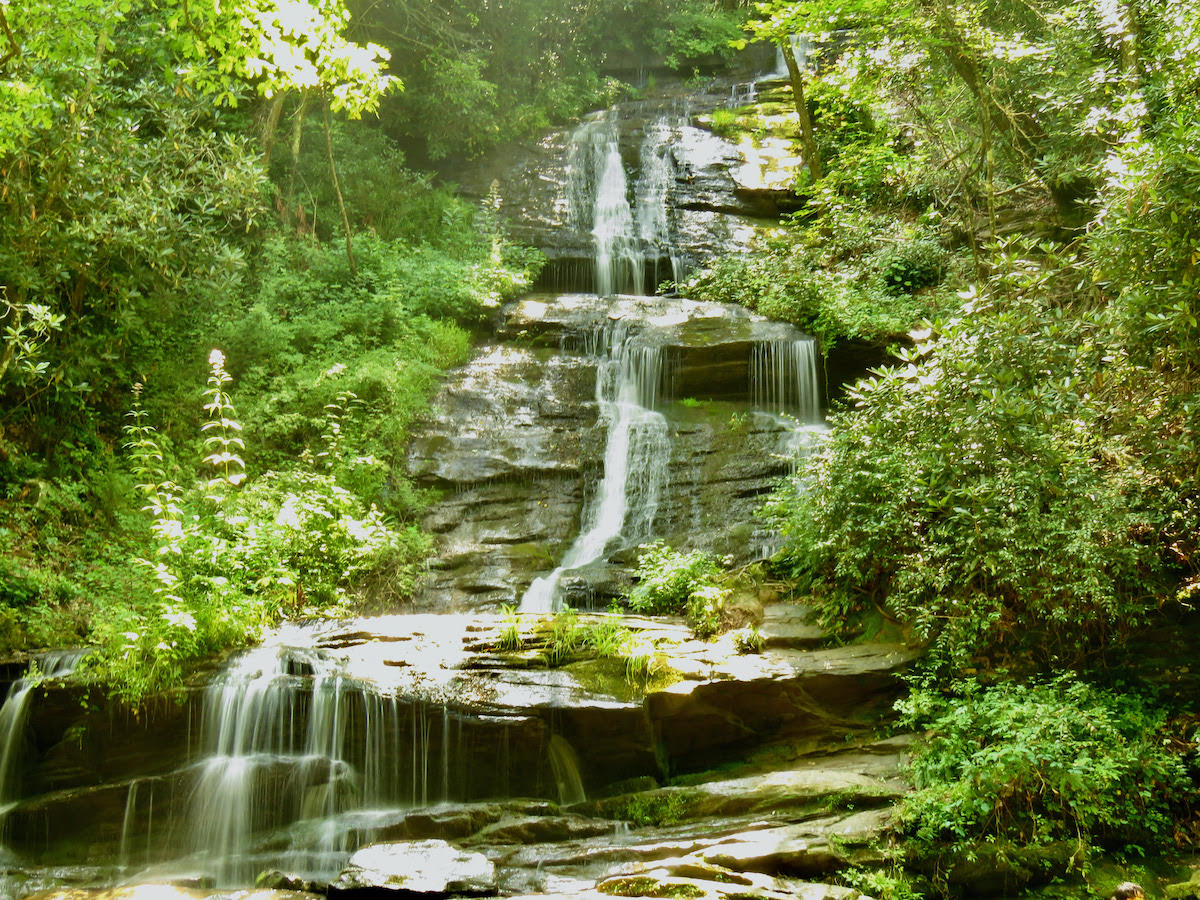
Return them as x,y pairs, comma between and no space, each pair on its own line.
733,773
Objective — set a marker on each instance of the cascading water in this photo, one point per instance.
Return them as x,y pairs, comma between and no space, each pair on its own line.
635,459
631,369
629,240
801,48
292,746
784,379
785,387
14,718
658,173
597,201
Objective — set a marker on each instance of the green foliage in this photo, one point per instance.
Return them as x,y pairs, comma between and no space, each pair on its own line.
833,278
695,32
642,886
675,583
1037,763
973,492
510,637
475,72
906,267
564,637
749,640
653,809
228,559
882,884
382,195
276,45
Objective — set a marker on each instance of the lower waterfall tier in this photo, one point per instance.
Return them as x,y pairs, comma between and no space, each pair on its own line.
410,727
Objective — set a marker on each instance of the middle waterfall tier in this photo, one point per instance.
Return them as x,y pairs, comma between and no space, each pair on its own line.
598,424
635,458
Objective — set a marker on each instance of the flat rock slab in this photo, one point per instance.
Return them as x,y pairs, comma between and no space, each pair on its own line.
805,849
789,626
815,846
415,869
684,879
167,892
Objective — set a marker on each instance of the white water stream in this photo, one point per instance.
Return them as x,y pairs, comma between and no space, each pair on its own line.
290,743
636,454
14,719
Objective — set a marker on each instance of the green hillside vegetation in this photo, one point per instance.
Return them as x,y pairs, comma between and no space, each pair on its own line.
1006,196
230,281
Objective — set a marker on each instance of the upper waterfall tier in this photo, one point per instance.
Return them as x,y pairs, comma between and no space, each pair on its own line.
634,195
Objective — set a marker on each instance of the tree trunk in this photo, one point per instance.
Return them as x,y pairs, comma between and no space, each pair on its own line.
269,127
808,142
337,189
289,197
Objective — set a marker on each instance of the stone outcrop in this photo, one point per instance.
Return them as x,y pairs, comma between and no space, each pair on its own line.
515,439
506,712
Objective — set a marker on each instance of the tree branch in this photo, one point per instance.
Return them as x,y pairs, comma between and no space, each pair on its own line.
14,48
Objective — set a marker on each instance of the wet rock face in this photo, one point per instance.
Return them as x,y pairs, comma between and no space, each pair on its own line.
715,190
486,730
516,445
513,438
415,869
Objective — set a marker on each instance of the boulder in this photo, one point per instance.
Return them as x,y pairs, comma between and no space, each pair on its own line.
789,626
429,868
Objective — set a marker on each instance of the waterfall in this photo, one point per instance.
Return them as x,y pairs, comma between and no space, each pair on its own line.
628,248
14,719
653,200
291,745
635,460
564,762
629,239
783,378
801,47
597,200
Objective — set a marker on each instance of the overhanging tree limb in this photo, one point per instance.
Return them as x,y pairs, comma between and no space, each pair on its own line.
14,48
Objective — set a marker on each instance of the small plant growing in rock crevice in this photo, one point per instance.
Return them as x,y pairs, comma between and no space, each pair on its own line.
510,639
749,640
665,808
671,582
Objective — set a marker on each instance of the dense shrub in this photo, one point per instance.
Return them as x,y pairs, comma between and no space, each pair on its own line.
973,492
671,582
835,285
1037,763
908,266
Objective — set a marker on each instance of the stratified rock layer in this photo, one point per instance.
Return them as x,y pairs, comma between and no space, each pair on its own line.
515,445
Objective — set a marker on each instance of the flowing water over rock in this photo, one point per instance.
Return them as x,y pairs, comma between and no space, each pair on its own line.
411,727
671,441
344,757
